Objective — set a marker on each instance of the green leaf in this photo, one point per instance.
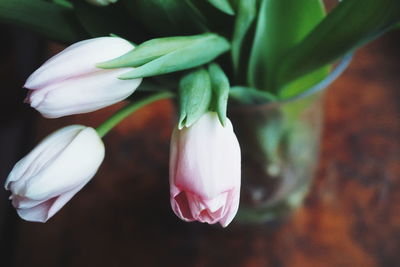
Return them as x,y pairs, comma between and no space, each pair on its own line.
350,25
250,96
102,21
223,5
303,83
167,17
194,97
64,3
235,3
281,25
150,50
247,11
50,19
197,53
220,87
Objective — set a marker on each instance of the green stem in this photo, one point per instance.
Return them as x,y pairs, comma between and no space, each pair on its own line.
124,112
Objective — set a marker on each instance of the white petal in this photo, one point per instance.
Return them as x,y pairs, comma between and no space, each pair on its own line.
62,200
83,95
37,213
41,155
75,165
216,203
46,209
232,207
77,60
20,202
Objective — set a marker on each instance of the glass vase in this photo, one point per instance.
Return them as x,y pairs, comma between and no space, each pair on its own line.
280,145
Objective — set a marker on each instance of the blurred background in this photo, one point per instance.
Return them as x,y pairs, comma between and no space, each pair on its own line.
123,216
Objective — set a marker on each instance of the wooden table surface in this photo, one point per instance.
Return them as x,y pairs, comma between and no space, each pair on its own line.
123,216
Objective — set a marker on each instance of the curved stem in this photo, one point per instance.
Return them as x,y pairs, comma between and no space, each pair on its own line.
124,112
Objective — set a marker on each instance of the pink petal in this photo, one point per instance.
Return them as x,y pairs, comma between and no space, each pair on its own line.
180,206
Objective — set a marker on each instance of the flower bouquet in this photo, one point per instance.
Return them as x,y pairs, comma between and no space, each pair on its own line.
268,59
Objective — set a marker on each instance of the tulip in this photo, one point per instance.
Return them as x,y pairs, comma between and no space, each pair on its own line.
205,171
51,174
70,83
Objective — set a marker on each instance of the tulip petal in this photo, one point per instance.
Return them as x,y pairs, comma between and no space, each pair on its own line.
21,202
77,60
62,200
216,203
45,210
38,213
233,207
180,206
39,157
84,94
76,164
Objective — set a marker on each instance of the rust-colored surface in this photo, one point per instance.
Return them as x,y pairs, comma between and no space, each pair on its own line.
351,218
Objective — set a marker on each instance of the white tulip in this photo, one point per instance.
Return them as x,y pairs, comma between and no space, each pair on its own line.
70,83
51,174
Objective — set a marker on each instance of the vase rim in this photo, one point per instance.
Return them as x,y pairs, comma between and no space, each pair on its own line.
326,82
338,69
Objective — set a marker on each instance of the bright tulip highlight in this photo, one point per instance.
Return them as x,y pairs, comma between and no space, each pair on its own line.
51,174
70,83
101,2
205,171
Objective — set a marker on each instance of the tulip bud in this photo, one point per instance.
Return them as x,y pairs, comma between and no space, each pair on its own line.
51,174
101,2
205,171
70,83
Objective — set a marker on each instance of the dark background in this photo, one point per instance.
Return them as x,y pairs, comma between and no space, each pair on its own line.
123,217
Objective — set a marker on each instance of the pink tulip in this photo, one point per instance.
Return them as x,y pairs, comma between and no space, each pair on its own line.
70,83
205,171
51,174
